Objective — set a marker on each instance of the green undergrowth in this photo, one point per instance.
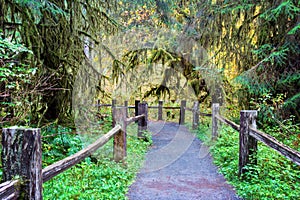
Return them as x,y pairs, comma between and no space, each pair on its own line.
274,176
98,176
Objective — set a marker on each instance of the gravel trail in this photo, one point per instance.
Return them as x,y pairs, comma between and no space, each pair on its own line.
178,167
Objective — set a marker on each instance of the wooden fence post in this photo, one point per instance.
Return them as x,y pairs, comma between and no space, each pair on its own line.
182,111
120,138
215,111
98,105
113,105
126,106
22,156
160,110
143,122
136,108
248,144
196,114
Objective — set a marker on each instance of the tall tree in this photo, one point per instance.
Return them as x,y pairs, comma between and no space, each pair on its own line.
56,32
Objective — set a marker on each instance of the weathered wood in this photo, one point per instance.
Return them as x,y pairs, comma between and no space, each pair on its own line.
113,105
270,141
143,122
98,105
248,144
182,112
62,165
10,190
120,138
205,114
228,122
160,111
22,156
215,112
136,108
103,105
166,107
195,115
126,105
172,107
134,119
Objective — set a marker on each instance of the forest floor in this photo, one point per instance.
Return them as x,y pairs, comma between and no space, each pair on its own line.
178,167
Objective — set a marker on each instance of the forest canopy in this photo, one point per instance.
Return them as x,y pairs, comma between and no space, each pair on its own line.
252,48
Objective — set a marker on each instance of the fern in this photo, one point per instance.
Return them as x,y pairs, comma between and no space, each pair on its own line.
285,8
290,79
292,102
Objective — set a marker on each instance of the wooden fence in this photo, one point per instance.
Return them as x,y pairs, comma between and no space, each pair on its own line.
248,134
22,155
248,137
182,108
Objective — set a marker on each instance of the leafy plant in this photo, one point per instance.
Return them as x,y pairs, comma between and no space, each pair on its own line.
15,79
274,177
98,177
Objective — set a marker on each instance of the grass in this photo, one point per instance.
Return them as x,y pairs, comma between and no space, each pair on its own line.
103,179
97,177
274,176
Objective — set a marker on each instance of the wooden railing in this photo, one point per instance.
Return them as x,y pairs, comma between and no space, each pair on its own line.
21,148
248,137
182,108
22,155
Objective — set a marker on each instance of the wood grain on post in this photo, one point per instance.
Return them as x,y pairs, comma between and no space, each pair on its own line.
248,144
120,138
98,105
10,190
160,110
195,114
126,105
22,156
182,112
136,108
113,105
215,112
143,122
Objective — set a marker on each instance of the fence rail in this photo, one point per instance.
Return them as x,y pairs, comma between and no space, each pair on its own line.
10,190
228,122
160,107
270,141
22,148
62,165
248,137
24,145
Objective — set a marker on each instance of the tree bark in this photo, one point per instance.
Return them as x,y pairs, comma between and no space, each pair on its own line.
22,156
248,144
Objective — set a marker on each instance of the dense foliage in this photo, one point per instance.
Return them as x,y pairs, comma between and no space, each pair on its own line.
15,80
98,177
55,32
244,54
274,176
252,51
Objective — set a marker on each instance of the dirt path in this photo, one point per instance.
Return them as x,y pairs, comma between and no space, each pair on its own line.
178,167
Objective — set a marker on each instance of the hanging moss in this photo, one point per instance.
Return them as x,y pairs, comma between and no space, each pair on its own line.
55,31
